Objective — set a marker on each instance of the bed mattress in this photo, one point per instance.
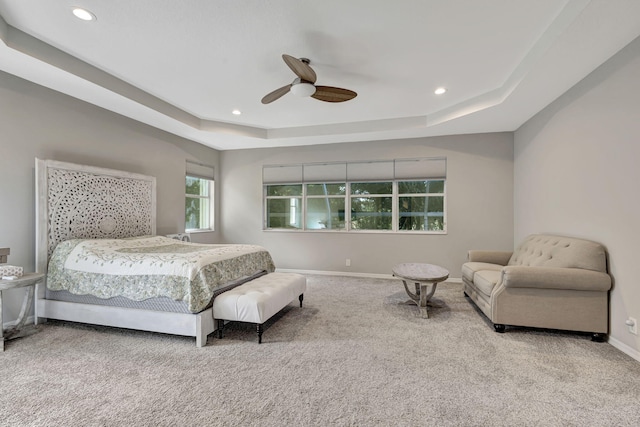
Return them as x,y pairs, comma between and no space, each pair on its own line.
154,304
152,269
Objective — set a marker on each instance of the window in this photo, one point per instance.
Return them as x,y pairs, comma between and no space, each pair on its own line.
325,207
199,191
407,196
421,205
371,205
284,206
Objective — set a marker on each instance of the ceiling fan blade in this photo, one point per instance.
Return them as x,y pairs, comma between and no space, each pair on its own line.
272,96
301,69
333,94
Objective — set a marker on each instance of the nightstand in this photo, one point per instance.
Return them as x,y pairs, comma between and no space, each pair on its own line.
28,281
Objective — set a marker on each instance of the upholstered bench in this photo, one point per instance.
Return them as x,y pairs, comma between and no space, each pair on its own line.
258,300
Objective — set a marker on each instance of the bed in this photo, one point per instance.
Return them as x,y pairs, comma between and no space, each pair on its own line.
104,265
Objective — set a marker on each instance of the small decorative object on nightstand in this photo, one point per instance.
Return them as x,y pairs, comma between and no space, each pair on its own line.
28,280
4,252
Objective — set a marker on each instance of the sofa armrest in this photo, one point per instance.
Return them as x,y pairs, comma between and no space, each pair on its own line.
490,257
577,279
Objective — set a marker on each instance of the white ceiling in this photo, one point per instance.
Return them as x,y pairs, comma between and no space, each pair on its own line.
184,65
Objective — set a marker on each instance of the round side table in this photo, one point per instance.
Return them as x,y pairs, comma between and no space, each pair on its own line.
28,281
423,275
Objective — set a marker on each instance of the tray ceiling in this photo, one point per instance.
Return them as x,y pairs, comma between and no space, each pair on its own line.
184,66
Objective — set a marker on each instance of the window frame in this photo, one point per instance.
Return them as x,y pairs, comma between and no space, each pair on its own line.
395,210
372,195
423,195
210,197
266,197
307,196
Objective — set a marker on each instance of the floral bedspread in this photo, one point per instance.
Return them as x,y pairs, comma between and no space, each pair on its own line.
139,268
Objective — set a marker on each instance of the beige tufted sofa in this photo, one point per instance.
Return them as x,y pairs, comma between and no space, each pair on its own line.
549,281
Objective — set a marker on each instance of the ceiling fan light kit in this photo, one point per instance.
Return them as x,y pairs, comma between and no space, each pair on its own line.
303,89
304,84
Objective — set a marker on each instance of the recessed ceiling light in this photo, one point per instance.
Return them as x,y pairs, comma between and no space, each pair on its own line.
236,112
440,91
83,14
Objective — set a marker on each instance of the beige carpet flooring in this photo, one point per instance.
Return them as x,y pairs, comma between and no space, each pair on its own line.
354,355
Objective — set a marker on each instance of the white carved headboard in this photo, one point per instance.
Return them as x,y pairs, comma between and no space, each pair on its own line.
77,201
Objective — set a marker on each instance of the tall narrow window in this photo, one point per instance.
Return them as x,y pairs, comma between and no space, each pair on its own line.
199,190
421,194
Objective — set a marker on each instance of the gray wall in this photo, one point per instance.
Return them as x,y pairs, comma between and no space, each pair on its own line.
577,173
38,122
479,204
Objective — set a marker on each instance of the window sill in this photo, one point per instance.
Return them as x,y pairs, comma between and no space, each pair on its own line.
431,233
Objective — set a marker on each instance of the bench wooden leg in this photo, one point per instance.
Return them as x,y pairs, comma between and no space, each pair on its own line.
220,327
259,328
301,297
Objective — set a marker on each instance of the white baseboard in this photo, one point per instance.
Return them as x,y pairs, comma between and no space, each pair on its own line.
624,348
351,274
335,273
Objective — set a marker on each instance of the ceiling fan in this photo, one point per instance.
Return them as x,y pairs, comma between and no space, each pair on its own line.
304,84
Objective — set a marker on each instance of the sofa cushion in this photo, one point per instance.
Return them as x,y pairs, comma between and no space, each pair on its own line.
469,268
540,250
485,280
